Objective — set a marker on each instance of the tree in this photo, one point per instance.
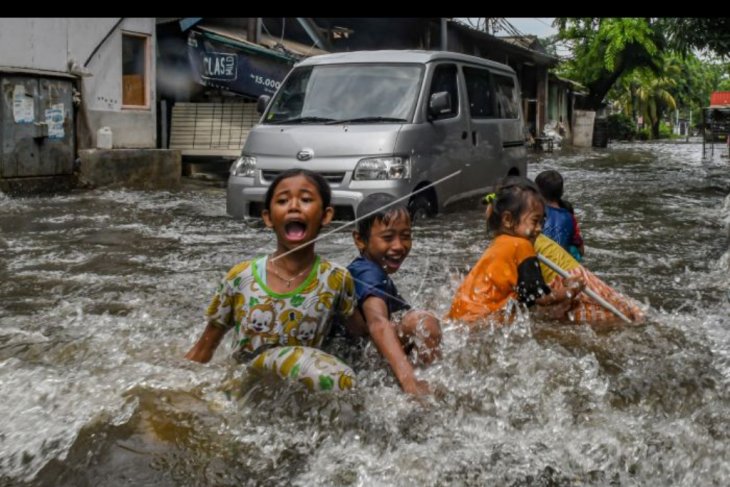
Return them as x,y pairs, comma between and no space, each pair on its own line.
684,82
698,79
653,98
606,48
648,95
685,34
724,85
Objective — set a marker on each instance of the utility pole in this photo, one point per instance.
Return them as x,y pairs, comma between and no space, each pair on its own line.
689,124
676,119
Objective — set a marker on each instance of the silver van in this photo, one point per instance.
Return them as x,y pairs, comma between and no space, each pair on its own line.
386,122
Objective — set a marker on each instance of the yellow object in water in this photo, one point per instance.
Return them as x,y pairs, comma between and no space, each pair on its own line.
599,303
317,370
553,251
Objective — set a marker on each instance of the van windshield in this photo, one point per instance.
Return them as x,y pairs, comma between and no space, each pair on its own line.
347,93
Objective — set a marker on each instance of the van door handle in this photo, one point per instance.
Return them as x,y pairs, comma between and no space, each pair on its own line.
474,137
464,135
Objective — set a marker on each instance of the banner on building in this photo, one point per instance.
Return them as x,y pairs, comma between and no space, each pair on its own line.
234,66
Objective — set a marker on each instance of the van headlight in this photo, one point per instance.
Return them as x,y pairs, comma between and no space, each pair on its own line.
244,166
383,168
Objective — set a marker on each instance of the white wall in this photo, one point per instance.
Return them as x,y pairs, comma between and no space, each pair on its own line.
33,43
103,90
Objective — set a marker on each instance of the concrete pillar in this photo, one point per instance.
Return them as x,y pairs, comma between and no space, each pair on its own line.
542,85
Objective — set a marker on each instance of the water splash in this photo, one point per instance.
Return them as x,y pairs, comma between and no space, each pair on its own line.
104,291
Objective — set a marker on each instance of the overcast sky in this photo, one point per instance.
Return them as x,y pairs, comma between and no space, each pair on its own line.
541,27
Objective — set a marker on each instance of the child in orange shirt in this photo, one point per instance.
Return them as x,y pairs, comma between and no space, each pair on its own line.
508,272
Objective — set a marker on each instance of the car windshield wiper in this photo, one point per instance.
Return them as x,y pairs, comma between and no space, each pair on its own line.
367,120
305,120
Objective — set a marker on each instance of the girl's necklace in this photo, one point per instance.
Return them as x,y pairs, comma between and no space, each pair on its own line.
287,280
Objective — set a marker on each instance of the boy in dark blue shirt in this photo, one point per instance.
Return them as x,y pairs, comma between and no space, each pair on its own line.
383,238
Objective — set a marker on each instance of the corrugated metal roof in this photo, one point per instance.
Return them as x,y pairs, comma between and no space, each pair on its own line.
526,41
535,56
575,84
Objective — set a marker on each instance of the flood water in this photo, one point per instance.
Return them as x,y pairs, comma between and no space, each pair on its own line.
102,293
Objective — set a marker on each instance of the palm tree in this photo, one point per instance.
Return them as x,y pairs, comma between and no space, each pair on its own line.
646,94
653,97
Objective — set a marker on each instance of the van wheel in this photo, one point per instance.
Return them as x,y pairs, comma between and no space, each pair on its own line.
420,208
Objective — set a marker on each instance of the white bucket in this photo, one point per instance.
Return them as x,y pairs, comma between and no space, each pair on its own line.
104,138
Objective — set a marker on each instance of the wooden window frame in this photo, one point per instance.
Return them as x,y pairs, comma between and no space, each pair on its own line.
147,70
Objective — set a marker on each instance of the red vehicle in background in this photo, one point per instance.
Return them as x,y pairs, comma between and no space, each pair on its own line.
716,117
720,98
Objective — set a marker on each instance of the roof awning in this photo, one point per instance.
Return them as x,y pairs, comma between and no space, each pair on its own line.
268,45
188,22
241,44
576,86
236,66
222,57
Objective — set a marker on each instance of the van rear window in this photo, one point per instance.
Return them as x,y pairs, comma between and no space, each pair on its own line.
506,103
479,91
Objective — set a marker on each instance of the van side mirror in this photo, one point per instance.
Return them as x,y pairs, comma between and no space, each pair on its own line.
261,103
438,104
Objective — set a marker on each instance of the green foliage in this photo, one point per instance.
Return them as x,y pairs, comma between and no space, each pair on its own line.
696,117
621,127
606,48
617,34
647,94
644,134
683,83
646,66
723,85
687,33
697,79
665,130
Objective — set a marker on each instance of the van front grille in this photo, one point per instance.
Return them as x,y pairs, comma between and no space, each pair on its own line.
331,177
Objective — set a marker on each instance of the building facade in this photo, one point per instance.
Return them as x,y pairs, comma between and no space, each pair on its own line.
63,79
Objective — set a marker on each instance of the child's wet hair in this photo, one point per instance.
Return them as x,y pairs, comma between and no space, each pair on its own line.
550,183
513,196
378,207
320,182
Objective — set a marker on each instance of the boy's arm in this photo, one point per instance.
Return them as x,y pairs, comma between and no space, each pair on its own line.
383,335
204,348
355,324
